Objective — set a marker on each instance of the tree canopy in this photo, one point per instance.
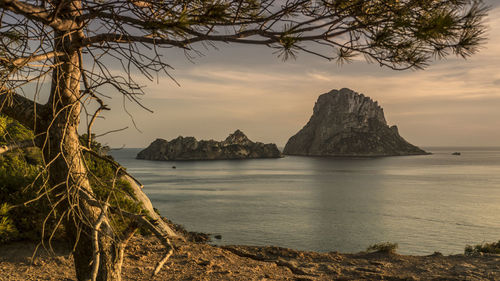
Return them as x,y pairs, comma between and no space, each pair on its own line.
398,34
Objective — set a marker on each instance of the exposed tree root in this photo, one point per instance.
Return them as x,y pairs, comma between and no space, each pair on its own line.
279,262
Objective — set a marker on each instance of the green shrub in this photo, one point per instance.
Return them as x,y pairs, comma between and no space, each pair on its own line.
7,227
22,179
11,131
383,247
490,248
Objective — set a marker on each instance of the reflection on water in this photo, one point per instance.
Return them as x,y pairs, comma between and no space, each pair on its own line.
425,203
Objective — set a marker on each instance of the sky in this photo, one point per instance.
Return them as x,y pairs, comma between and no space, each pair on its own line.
453,102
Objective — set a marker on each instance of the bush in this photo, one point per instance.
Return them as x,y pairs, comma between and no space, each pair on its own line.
490,248
11,131
22,179
383,247
7,227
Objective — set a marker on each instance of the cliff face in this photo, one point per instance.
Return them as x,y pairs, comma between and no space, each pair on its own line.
345,123
235,146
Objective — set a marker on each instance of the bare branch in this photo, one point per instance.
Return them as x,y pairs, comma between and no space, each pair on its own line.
111,131
10,147
123,38
20,62
24,110
38,14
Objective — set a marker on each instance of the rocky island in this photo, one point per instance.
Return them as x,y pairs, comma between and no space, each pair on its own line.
345,123
235,146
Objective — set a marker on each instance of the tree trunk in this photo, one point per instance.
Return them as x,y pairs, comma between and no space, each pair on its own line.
61,151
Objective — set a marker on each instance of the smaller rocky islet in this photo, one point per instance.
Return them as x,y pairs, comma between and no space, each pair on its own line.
235,146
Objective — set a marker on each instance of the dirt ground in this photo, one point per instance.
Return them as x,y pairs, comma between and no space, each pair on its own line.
200,261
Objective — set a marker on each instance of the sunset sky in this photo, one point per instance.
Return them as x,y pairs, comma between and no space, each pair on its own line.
454,102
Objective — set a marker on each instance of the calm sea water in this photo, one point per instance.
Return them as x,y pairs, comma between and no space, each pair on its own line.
428,203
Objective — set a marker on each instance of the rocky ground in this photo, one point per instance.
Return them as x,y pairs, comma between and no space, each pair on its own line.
200,261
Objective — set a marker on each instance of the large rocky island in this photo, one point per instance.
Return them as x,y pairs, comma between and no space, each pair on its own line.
345,123
235,146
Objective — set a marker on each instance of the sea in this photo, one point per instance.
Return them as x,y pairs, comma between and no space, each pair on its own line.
429,203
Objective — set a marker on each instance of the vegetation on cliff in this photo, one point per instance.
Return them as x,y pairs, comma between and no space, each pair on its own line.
23,179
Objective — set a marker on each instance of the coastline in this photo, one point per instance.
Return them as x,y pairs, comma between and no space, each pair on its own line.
201,261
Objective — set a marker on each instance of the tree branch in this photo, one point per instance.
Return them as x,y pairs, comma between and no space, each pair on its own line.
9,147
23,110
19,62
38,14
123,38
265,38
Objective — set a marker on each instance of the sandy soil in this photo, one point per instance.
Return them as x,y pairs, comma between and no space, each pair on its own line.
200,261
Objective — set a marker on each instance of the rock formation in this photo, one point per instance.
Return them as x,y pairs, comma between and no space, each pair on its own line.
235,146
345,123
